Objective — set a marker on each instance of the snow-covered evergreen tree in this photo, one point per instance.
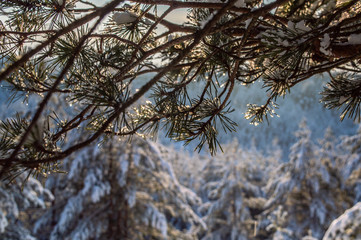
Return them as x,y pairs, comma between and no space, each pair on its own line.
19,201
351,146
347,226
306,193
120,191
232,192
187,166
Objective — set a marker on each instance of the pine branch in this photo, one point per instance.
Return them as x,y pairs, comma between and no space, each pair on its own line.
131,100
26,57
280,43
42,105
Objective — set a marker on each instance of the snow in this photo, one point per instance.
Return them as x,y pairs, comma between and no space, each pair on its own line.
33,198
317,209
89,181
147,21
291,25
347,226
136,161
331,4
343,99
354,39
324,44
298,27
100,190
122,174
229,188
302,26
149,189
131,197
240,3
3,222
124,164
121,18
158,220
76,166
203,22
247,22
71,209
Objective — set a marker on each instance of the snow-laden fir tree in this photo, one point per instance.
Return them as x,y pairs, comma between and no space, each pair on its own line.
119,191
347,226
19,207
351,171
306,193
232,192
105,59
187,165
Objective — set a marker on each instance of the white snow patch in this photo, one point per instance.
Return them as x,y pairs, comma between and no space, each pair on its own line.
124,17
202,23
132,197
121,175
3,222
136,159
240,4
354,39
324,44
343,99
291,25
99,191
347,225
157,219
302,26
247,22
124,166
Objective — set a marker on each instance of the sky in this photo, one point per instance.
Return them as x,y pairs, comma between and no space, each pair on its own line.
178,15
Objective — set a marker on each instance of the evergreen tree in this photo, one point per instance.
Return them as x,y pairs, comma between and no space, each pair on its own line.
19,204
187,166
104,60
306,193
119,191
232,193
347,226
351,162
